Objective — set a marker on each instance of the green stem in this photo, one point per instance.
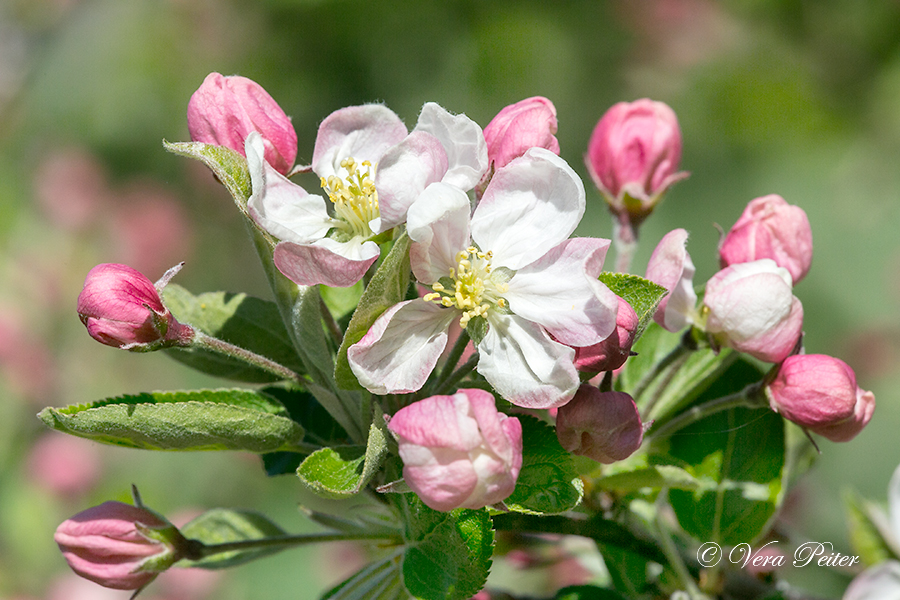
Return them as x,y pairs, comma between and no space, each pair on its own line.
201,550
445,387
207,342
650,376
748,397
673,557
625,241
453,358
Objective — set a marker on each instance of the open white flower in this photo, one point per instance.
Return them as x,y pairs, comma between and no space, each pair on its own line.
372,171
509,273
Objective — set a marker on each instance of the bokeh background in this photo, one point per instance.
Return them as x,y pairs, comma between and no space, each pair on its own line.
795,97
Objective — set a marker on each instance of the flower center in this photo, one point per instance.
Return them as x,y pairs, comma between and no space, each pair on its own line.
473,287
354,197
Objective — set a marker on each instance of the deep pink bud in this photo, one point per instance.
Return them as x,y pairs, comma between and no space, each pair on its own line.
751,308
819,393
671,267
224,110
633,155
604,426
121,308
458,451
118,545
611,353
770,228
520,126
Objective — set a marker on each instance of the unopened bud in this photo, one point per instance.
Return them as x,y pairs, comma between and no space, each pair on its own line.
819,392
122,308
604,426
224,110
611,353
520,126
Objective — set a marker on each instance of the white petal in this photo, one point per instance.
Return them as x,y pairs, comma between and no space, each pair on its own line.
438,225
524,365
399,352
325,262
560,291
531,205
280,206
463,140
363,132
881,582
403,174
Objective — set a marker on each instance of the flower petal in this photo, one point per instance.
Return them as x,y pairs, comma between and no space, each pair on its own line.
524,365
363,132
463,140
671,267
438,225
280,206
560,291
531,205
403,174
326,262
399,352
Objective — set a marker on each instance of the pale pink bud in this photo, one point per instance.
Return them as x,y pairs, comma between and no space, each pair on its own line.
520,126
751,308
458,451
633,155
670,266
224,110
122,308
819,393
604,426
118,545
611,353
770,228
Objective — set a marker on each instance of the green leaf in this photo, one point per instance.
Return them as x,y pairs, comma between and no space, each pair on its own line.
587,592
655,477
869,530
344,471
448,555
229,167
387,287
239,319
379,580
222,419
548,482
219,526
341,301
642,294
742,452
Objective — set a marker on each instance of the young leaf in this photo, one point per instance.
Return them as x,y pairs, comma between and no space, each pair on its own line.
548,482
219,526
222,419
239,319
380,580
448,555
870,531
654,476
643,295
387,287
228,166
343,471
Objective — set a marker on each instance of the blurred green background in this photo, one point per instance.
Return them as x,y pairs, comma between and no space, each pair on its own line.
795,97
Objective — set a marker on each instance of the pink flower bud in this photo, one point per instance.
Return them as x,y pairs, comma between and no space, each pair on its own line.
520,126
770,228
118,545
224,110
819,393
671,267
633,155
458,451
121,308
604,426
751,308
611,353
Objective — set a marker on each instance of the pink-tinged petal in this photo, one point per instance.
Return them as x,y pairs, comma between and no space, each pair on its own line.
611,353
442,421
445,482
400,350
362,132
520,126
876,583
775,344
326,262
671,267
560,291
280,206
463,141
403,174
525,365
530,206
746,300
438,225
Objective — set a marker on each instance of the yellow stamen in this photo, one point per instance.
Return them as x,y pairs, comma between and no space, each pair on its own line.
354,197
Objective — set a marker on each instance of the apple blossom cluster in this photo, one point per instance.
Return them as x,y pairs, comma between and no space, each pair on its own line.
480,323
